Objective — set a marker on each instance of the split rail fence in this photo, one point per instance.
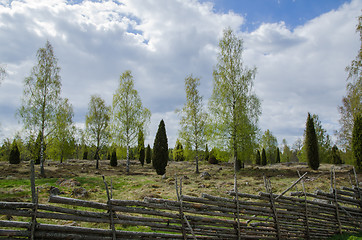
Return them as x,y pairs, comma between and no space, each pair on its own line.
241,216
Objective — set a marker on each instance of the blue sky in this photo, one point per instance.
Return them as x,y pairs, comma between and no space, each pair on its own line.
300,48
292,12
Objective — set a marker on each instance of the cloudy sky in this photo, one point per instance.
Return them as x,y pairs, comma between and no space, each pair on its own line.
300,48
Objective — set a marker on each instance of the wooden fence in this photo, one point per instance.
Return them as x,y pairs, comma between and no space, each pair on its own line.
241,216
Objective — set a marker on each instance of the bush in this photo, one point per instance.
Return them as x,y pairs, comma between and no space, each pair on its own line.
311,144
263,157
257,158
148,154
160,150
178,152
14,157
336,158
114,158
212,157
357,141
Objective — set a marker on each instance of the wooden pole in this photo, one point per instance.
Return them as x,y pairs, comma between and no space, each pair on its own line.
307,235
295,183
336,201
236,198
110,211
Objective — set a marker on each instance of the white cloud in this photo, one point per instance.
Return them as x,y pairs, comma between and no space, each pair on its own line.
162,42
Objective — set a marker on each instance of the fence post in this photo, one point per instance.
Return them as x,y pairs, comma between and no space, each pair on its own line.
269,190
110,210
34,199
237,206
334,191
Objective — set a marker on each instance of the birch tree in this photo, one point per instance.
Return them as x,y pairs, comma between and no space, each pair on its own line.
128,114
193,118
41,97
233,105
97,121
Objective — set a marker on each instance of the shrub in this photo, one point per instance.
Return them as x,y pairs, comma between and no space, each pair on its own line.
14,157
311,144
263,157
178,152
160,150
212,157
148,154
278,156
257,157
336,158
206,156
114,158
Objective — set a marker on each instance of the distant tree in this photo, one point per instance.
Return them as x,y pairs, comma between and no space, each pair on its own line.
234,107
336,158
148,154
278,156
97,121
2,73
206,156
357,141
41,97
193,118
113,161
63,141
160,150
287,153
141,147
263,158
352,102
257,158
269,142
128,114
14,157
311,144
324,142
178,152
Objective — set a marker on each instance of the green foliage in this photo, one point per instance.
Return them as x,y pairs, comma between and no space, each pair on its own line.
14,157
160,150
269,142
193,118
357,141
178,152
97,121
257,158
287,153
148,154
36,149
41,97
234,107
352,102
212,157
113,161
263,158
85,153
278,156
335,155
324,142
311,144
128,114
141,147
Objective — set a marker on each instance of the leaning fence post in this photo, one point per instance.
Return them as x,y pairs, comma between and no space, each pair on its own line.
272,205
334,191
110,210
237,205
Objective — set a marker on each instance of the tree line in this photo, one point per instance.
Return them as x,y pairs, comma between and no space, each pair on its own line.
229,123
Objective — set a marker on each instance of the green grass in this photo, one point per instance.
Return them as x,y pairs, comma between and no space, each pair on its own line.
347,237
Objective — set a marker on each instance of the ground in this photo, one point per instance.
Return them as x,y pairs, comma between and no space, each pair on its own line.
144,182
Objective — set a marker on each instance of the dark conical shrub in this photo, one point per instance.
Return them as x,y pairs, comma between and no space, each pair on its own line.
14,157
85,153
311,144
263,157
141,147
257,157
336,158
278,156
357,141
148,154
206,156
160,150
114,158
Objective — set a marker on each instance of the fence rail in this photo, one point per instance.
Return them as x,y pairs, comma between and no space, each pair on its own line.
266,215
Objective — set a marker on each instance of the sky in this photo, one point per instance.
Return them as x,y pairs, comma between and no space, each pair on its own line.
300,49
